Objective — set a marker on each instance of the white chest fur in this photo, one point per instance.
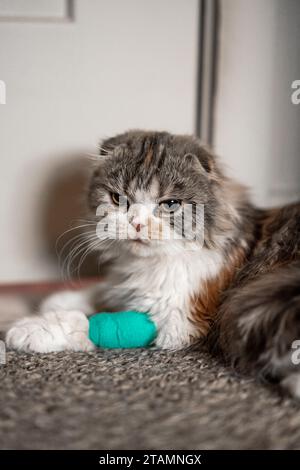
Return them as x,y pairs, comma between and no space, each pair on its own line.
164,286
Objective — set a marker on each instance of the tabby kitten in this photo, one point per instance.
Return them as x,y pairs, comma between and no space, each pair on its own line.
232,275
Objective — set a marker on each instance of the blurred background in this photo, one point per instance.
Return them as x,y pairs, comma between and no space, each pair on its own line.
77,71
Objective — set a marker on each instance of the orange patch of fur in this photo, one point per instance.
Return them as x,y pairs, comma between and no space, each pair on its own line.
204,305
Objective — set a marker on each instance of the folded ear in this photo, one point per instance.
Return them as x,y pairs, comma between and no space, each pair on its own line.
113,145
201,161
107,147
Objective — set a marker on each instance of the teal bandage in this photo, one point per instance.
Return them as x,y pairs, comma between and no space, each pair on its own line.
127,329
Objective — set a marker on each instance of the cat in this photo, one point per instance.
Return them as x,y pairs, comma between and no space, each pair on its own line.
232,276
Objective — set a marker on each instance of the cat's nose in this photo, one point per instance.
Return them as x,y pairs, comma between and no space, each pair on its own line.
138,225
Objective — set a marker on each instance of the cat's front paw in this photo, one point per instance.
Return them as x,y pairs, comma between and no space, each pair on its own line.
170,339
50,332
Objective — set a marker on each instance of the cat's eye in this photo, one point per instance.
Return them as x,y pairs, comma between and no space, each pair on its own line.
170,205
119,200
115,197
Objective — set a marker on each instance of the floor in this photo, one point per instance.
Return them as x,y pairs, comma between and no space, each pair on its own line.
138,399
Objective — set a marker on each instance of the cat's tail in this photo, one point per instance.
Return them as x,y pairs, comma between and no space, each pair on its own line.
259,327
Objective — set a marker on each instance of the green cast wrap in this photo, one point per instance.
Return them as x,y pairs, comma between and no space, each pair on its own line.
127,329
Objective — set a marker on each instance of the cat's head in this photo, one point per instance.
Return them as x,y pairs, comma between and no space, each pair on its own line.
154,193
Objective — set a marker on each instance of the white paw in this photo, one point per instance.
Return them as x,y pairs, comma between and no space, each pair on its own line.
168,338
51,331
174,330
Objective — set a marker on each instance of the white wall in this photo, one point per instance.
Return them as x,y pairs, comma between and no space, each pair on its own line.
120,64
257,127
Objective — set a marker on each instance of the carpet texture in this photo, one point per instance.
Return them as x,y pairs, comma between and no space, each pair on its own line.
138,399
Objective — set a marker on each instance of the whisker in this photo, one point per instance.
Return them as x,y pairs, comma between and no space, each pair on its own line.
68,262
73,243
76,250
80,235
89,250
83,248
89,224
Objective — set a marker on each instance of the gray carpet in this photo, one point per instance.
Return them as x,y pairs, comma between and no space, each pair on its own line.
138,399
